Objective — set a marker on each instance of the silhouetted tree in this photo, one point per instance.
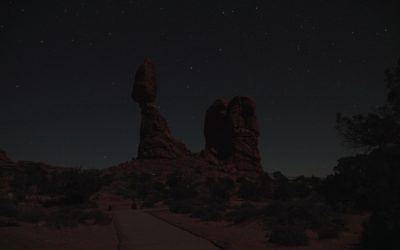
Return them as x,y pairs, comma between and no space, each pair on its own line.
371,180
378,129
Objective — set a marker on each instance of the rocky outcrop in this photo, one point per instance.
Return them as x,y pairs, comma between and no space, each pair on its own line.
216,132
244,132
231,132
230,128
156,140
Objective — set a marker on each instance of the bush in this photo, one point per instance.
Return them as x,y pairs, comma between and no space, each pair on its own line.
181,187
327,233
32,180
244,212
254,189
302,213
281,185
381,231
32,215
220,189
7,222
8,208
288,236
181,206
75,185
94,217
72,217
209,212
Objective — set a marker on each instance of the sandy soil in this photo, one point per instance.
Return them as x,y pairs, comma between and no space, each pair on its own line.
139,230
250,236
33,237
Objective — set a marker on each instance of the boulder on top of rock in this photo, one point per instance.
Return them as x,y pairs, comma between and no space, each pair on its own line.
145,86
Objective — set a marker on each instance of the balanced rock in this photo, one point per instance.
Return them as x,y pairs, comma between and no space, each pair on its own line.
145,87
156,140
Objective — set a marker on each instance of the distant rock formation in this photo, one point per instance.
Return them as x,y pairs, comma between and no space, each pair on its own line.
231,132
230,128
156,140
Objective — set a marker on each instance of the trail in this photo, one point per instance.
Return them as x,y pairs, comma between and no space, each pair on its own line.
138,230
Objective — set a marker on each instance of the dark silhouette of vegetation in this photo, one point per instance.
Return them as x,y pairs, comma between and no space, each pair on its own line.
370,180
72,217
32,180
304,213
145,187
182,192
328,233
245,212
382,229
214,199
76,185
288,235
255,189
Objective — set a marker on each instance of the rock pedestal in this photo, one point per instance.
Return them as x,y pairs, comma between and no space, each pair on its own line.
156,140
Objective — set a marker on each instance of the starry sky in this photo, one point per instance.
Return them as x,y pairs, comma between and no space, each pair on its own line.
67,71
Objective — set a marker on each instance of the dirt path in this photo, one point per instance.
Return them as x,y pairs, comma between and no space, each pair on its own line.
138,230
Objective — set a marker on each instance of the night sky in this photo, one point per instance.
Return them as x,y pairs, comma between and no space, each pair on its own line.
67,71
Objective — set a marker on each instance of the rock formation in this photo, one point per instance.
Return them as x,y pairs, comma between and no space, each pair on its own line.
216,130
231,132
244,132
156,140
230,129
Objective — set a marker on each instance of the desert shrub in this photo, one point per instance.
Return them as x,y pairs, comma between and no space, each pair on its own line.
181,206
150,201
220,189
63,218
302,213
244,212
181,187
181,193
288,235
8,208
366,181
328,232
143,186
7,222
32,215
281,187
254,189
72,217
32,180
303,187
382,229
95,217
76,185
208,212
